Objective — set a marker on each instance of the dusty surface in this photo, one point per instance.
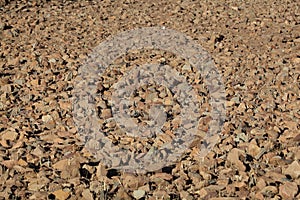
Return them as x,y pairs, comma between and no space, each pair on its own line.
255,46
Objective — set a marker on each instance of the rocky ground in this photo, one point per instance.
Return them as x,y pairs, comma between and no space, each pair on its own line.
255,46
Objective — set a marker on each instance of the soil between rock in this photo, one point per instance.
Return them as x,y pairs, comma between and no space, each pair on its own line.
255,46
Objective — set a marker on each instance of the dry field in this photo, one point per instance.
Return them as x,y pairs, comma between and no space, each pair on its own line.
255,46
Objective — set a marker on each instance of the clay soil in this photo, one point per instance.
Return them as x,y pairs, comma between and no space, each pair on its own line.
255,46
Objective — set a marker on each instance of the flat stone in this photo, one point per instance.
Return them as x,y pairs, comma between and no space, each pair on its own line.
138,194
293,170
288,190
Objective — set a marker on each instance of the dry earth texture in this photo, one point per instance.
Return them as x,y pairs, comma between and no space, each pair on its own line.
255,46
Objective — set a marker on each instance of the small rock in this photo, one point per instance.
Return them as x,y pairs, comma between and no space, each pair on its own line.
61,165
65,105
261,183
241,108
229,103
164,176
253,149
61,194
2,25
8,163
269,190
293,170
19,81
121,194
146,188
46,118
203,193
187,68
87,195
38,151
236,100
296,60
288,190
151,96
259,196
69,76
235,8
34,186
9,135
168,102
22,162
95,186
185,195
241,136
132,182
233,157
106,113
138,194
101,171
160,193
52,60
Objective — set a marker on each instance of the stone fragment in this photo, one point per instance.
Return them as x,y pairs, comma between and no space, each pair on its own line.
61,194
233,157
269,190
288,190
293,169
87,195
61,165
138,194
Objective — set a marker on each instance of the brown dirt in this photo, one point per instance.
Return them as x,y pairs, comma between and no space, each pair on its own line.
255,46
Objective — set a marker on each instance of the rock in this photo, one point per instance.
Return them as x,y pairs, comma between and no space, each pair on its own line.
253,149
52,60
185,195
229,103
160,193
164,176
186,67
122,194
132,182
61,194
106,113
48,121
288,190
168,101
61,165
34,186
293,170
260,183
138,194
8,163
146,188
22,162
241,108
101,171
259,196
46,118
38,151
233,157
87,195
10,134
202,193
269,190
296,60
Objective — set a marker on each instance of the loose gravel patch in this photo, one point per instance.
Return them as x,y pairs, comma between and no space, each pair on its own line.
255,46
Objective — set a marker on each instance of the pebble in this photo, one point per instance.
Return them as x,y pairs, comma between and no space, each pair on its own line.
138,194
293,169
288,190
